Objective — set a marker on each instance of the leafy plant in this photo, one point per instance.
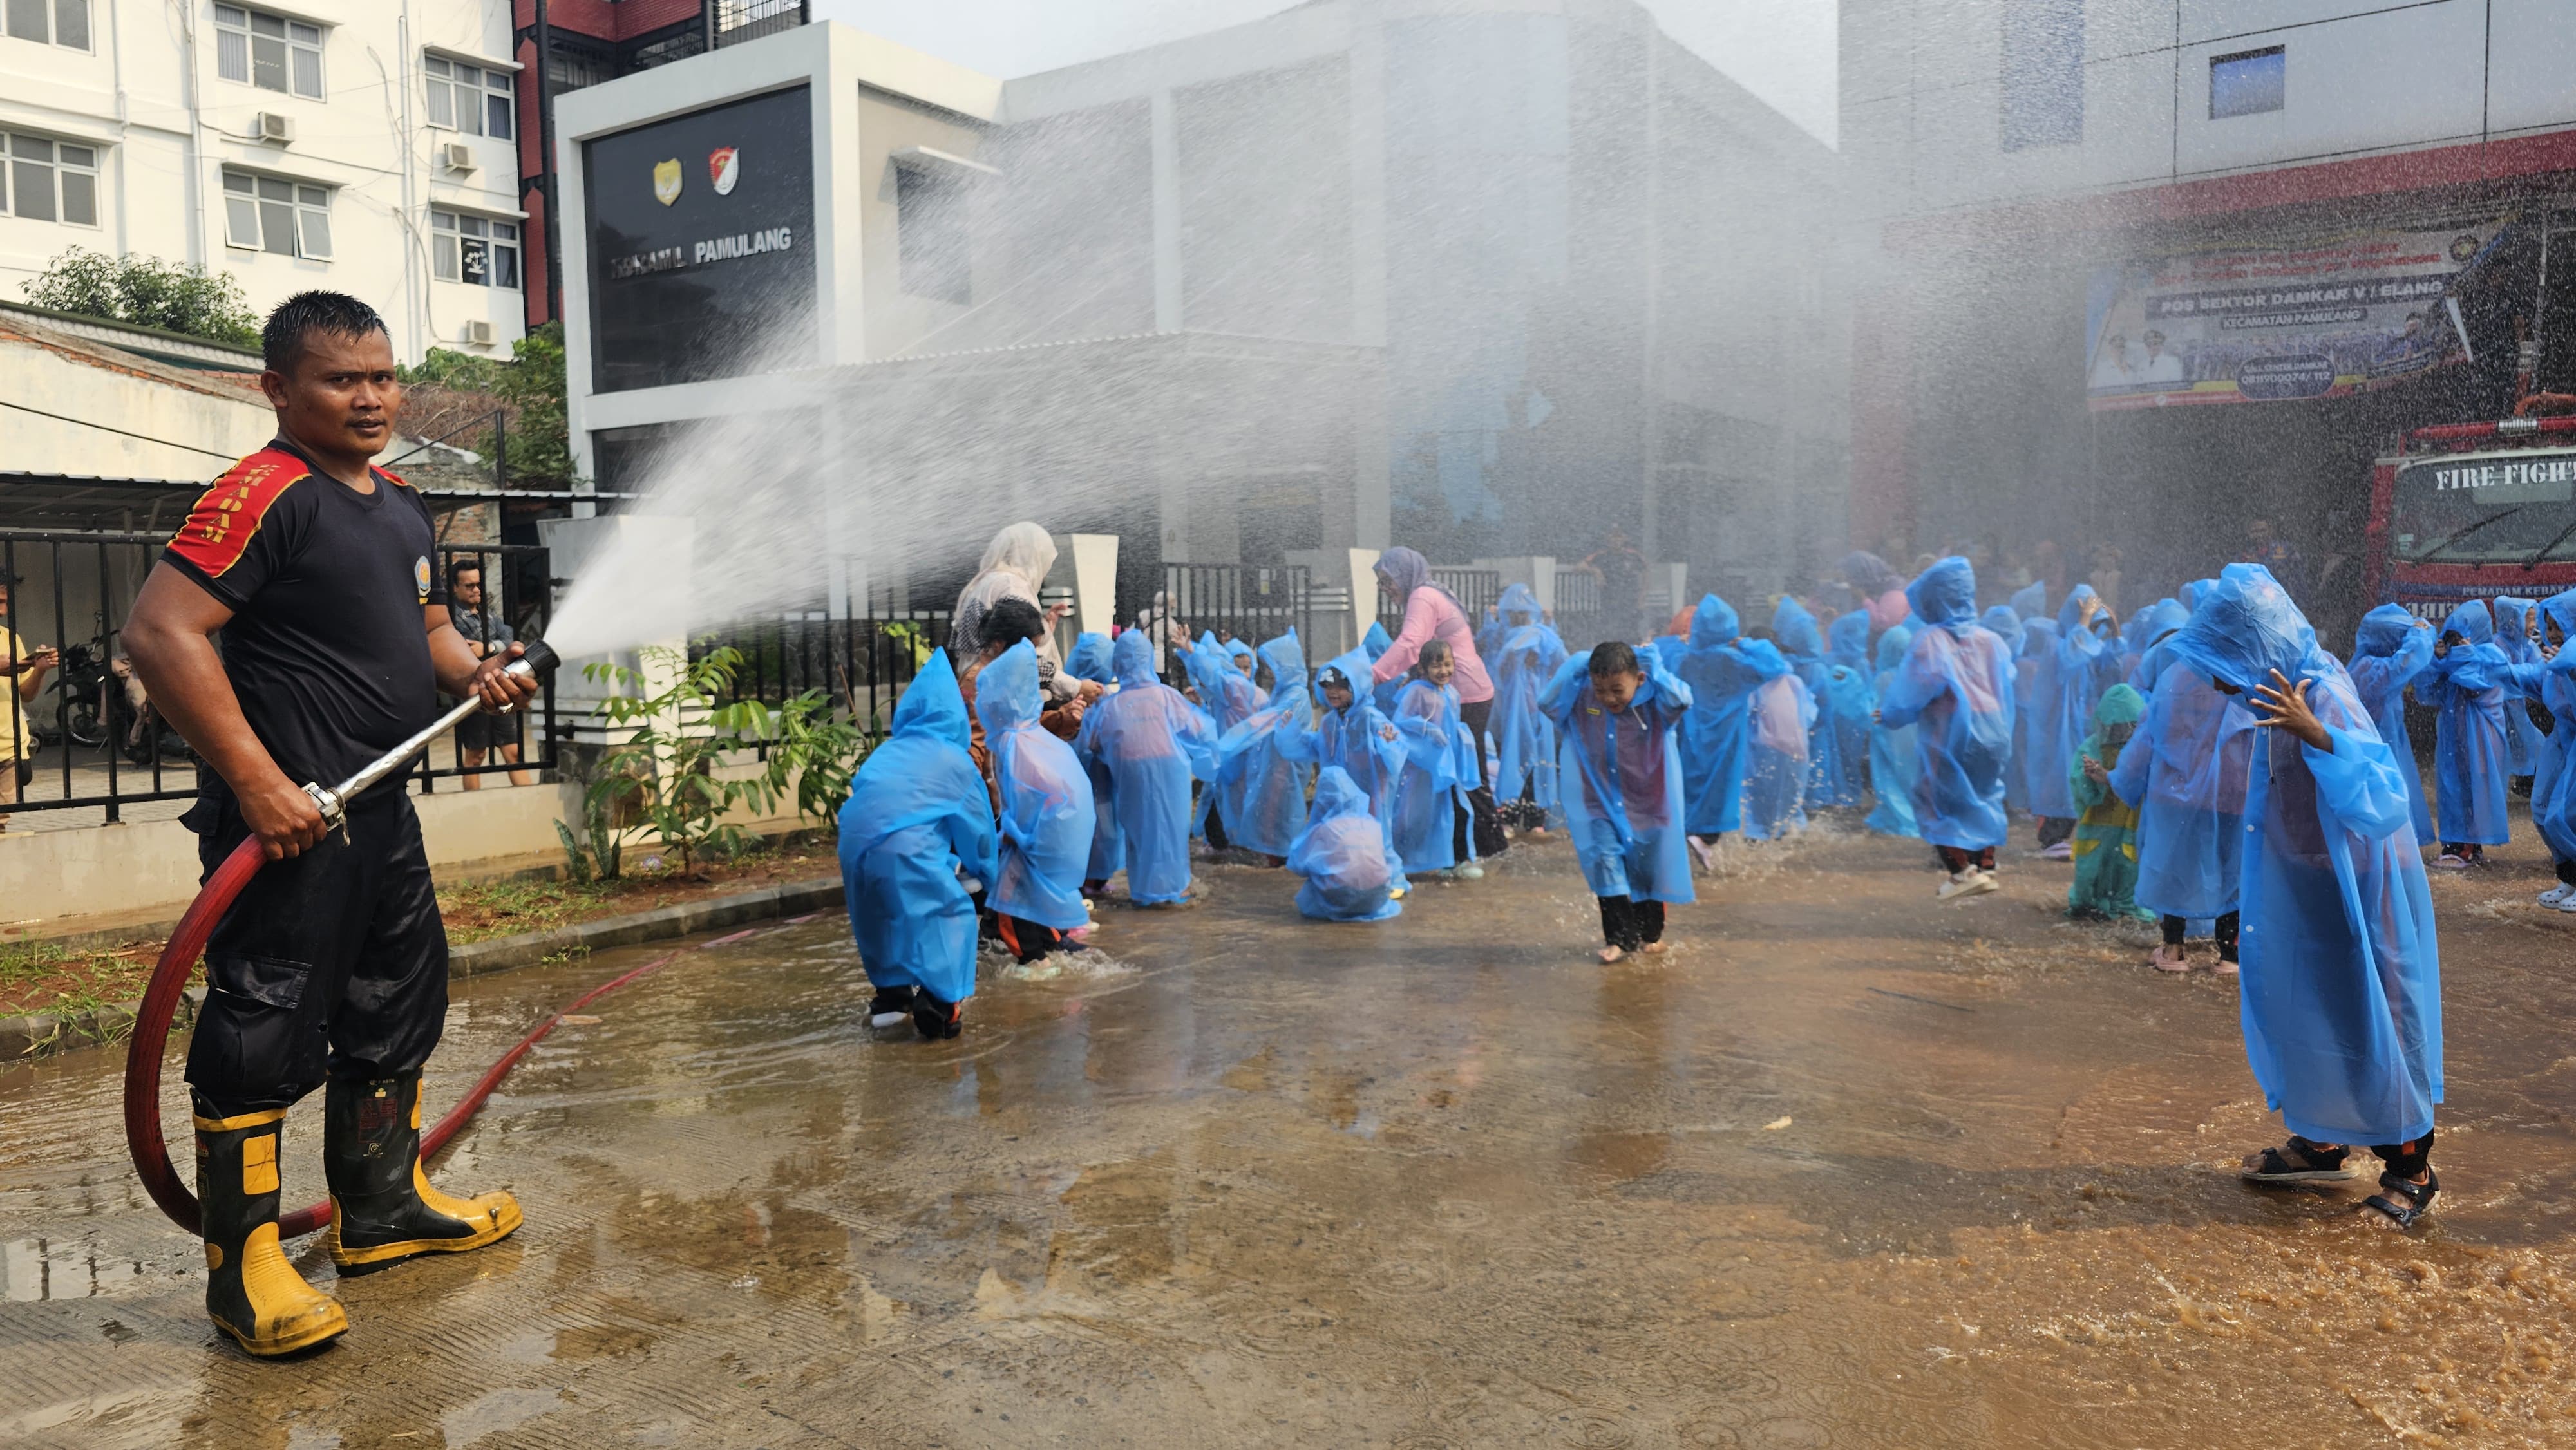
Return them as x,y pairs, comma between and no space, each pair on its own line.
531,383
821,748
148,292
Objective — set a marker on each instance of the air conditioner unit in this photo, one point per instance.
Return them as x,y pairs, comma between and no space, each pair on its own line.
479,333
456,156
273,127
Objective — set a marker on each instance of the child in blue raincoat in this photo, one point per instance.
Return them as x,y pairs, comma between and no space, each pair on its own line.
2517,633
2391,650
2342,977
1227,696
1046,815
1090,658
2468,686
1722,674
1851,697
1615,715
1090,661
2088,663
1150,742
1795,631
2007,627
1350,732
2553,785
1893,763
2034,696
2156,624
1956,689
1431,806
1256,758
1524,656
916,841
1780,720
1342,855
2186,771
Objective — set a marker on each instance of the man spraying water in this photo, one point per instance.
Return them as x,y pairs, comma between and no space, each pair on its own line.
332,965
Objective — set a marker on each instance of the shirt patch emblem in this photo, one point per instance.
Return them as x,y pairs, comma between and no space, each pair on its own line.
420,576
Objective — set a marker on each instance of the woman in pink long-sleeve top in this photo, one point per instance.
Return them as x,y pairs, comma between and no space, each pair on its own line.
1431,613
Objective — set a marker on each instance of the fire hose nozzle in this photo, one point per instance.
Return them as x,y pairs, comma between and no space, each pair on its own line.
539,661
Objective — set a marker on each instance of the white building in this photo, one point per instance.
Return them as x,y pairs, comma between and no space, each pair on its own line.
357,145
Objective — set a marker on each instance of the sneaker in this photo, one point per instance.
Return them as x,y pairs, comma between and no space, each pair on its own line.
1971,882
890,1007
2449,862
1469,872
2062,851
2557,894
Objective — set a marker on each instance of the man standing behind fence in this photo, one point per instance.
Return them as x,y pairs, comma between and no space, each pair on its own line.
486,633
25,669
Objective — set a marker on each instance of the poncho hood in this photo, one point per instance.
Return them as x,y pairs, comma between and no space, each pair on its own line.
1133,660
2471,622
2031,603
1006,690
1287,661
1945,595
2560,609
2383,631
1714,623
1355,665
2245,628
1763,657
1376,642
1517,599
1847,640
1090,658
2038,638
1336,794
1796,630
932,706
2003,621
2119,705
1893,645
2072,609
2513,627
2160,619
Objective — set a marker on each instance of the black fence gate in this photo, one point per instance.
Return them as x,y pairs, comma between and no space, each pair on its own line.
1232,601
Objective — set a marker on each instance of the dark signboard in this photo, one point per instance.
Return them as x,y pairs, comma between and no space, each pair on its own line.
702,257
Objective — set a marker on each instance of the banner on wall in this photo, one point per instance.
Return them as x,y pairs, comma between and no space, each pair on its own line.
2317,318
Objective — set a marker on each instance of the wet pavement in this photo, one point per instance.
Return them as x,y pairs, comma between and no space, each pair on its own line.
1844,1168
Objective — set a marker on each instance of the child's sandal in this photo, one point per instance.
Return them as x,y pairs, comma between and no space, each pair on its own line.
2298,1161
2419,1198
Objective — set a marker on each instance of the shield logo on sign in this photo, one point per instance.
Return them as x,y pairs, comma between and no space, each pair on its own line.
724,167
666,181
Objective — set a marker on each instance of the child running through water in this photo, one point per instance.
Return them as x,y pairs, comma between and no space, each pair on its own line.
2468,686
1956,689
1615,715
1722,677
2185,770
1524,655
916,841
1149,742
1781,717
1046,811
2391,650
1342,855
1431,805
2106,827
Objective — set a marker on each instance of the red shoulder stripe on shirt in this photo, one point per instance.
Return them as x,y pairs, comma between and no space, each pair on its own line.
220,527
397,478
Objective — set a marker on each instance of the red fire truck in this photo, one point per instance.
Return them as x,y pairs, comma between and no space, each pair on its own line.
2474,510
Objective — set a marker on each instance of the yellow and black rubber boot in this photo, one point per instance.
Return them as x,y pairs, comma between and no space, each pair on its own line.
383,1210
252,1292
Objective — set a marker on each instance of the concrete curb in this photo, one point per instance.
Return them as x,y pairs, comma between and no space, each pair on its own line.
25,1039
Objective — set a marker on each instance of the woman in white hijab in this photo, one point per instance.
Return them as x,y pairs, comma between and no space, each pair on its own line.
1015,564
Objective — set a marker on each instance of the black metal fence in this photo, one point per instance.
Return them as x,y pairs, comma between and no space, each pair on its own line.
1578,615
79,732
1235,601
863,663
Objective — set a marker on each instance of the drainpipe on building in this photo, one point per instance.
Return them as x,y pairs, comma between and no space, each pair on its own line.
546,163
195,181
116,72
415,289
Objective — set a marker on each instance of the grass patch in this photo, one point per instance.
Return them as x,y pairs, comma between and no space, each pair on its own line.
49,977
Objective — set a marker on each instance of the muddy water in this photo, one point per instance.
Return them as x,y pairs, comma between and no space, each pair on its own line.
1844,1169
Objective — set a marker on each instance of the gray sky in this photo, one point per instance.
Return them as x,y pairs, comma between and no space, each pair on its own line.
1781,50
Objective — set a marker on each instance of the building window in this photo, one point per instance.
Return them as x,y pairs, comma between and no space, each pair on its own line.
468,248
49,22
2043,73
290,218
47,181
2247,83
930,236
268,51
469,98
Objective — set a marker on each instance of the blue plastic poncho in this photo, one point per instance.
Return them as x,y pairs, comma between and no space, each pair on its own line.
2392,649
1851,693
1047,815
1439,769
1803,643
2342,985
1090,658
1256,755
1363,742
2515,620
1780,724
2088,663
1227,697
1524,658
1150,742
1342,855
1956,687
2155,624
1893,765
917,822
2031,602
1382,693
2467,687
2007,627
2034,696
2553,792
1722,675
2186,772
1622,775
2196,591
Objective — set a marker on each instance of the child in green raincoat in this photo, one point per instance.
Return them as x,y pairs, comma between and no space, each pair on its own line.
2106,828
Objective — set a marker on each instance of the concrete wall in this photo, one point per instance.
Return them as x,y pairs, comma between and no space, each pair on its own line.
147,93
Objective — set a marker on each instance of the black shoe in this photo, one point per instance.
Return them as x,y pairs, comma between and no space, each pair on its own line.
937,1021
890,1006
383,1209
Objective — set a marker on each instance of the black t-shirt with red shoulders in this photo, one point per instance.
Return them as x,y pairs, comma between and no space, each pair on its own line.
325,649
